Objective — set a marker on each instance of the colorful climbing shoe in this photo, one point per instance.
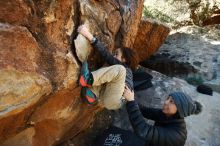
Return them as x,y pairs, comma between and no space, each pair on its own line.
86,78
88,96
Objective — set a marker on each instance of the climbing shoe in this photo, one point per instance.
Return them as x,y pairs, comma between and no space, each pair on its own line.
85,78
88,96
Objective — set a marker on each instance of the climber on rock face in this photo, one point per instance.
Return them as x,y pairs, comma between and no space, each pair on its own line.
107,83
169,128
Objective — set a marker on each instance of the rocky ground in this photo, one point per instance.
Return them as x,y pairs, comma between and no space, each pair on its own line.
191,53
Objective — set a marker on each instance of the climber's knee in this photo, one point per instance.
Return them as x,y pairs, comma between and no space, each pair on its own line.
112,105
121,70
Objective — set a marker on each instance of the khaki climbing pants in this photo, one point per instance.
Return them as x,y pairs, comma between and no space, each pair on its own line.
108,85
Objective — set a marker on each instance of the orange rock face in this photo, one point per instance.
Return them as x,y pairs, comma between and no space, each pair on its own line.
19,50
40,102
16,12
132,19
150,37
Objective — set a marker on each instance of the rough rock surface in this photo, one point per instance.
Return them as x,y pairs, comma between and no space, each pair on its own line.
151,35
40,101
114,23
203,129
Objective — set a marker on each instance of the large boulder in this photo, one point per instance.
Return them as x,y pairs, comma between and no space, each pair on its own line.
39,98
40,52
151,35
26,85
22,85
114,23
39,65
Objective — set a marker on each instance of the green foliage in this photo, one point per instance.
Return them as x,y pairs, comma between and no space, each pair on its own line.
200,10
194,80
156,14
196,11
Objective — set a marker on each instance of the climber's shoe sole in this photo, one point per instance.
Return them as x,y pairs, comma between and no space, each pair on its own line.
88,96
